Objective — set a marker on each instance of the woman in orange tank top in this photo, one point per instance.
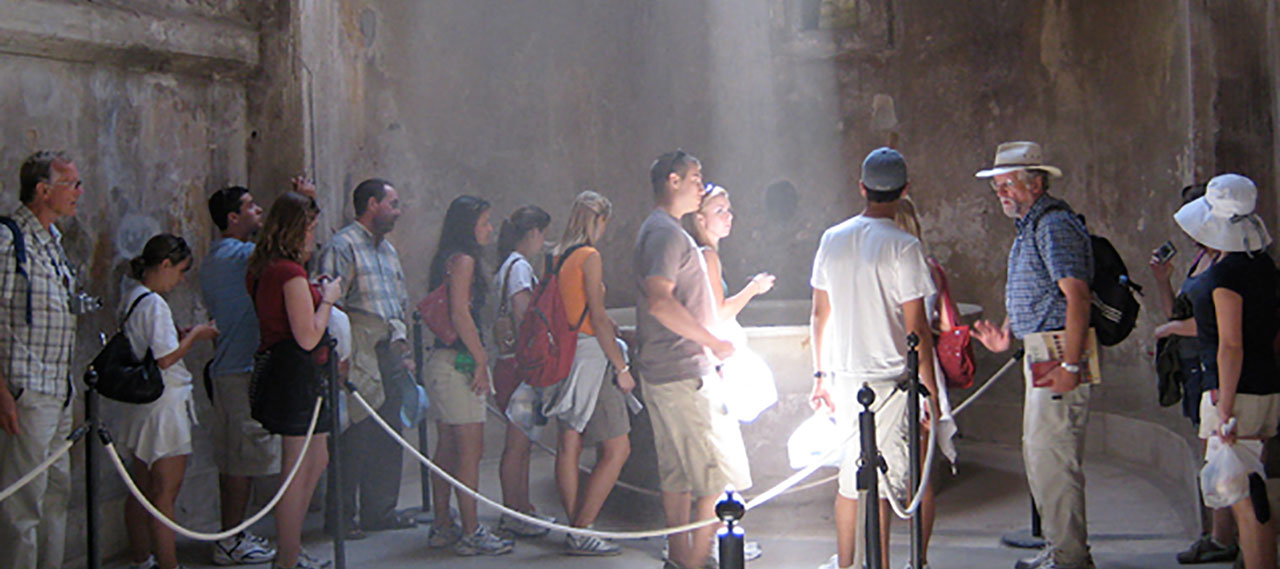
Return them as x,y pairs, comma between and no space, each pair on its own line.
589,404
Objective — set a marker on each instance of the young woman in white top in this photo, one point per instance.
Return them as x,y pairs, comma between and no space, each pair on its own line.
520,238
158,433
712,222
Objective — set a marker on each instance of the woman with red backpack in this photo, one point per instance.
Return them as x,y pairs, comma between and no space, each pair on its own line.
590,403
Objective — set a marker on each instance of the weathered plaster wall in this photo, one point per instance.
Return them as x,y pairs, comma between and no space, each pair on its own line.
148,99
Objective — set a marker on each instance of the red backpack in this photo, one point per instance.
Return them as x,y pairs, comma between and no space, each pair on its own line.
545,343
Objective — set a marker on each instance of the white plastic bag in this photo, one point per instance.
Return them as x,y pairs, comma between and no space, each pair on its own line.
749,388
1224,480
812,439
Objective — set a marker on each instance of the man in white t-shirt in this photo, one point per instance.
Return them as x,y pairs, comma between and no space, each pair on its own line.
869,283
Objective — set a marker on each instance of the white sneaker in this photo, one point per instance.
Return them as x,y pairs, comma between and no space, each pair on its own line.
482,542
832,563
1044,557
520,528
589,546
444,537
243,549
150,563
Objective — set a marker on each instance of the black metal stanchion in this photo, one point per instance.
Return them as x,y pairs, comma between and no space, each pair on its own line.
869,466
1027,539
731,538
335,460
424,474
90,427
913,425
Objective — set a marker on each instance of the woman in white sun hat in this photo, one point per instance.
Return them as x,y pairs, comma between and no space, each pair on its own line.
1234,302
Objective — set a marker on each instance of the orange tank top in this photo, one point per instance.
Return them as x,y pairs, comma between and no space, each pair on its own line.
573,289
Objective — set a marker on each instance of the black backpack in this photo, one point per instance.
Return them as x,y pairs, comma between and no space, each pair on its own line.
1115,309
19,255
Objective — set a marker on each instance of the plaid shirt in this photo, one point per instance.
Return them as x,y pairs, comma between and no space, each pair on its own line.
1051,245
36,356
372,280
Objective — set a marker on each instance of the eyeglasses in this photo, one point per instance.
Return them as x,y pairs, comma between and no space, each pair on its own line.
996,186
676,158
77,185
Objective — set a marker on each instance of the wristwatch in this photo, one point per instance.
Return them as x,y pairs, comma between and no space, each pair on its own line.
821,374
1071,368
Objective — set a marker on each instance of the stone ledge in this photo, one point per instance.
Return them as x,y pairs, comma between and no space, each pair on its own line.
89,33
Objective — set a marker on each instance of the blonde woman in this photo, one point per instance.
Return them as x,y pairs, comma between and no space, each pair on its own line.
590,404
712,222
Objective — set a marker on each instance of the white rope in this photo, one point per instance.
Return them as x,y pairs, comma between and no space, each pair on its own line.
910,510
28,477
758,501
146,504
990,382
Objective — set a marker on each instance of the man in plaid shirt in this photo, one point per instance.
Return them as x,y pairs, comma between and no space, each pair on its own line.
37,338
1047,290
375,299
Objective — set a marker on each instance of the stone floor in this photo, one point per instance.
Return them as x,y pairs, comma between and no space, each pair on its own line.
1133,520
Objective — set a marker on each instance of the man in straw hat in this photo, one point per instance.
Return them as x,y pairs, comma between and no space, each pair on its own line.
1047,290
1234,305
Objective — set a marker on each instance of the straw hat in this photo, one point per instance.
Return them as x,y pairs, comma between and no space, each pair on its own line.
1022,155
1224,217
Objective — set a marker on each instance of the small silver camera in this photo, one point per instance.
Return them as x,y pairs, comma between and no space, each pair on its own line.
83,303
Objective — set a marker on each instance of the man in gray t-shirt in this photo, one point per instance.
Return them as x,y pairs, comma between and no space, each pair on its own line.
699,447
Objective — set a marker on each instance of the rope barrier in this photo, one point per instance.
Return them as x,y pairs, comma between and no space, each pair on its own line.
43,466
151,508
758,501
787,485
981,390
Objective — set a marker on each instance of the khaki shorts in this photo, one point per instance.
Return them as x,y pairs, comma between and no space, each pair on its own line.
699,445
610,418
241,446
452,401
892,436
1256,415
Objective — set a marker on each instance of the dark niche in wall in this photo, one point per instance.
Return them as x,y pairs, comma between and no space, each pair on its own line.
781,200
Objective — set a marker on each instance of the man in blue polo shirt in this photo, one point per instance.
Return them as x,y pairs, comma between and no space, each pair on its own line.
1047,290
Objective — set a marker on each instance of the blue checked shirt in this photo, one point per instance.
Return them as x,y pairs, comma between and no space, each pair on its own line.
1050,245
227,298
36,356
372,279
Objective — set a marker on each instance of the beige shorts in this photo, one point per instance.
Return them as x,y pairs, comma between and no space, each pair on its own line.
892,436
241,446
699,445
1256,415
610,418
449,390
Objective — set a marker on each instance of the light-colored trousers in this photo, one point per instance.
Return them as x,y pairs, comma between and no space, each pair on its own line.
33,522
1053,450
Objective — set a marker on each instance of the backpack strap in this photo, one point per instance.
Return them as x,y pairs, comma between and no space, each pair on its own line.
560,263
20,254
502,287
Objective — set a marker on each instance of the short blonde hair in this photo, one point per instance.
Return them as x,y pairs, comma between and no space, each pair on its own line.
587,208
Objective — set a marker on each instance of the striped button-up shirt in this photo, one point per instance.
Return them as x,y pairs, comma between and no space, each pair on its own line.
1052,244
372,279
36,356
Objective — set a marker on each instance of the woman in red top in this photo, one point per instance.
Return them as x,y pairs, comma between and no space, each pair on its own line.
291,310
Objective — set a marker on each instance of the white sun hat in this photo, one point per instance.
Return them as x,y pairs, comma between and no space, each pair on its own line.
1224,217
1022,155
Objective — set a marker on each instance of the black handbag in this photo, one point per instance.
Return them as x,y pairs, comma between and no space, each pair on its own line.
123,377
283,389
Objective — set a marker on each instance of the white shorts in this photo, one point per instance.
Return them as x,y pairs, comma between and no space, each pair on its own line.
892,436
1256,415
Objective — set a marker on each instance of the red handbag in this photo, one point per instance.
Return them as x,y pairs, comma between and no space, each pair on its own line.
435,312
954,347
